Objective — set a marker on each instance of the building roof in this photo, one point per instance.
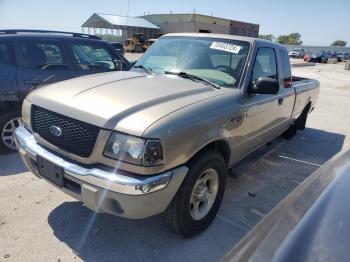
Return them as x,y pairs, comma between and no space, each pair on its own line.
189,17
109,21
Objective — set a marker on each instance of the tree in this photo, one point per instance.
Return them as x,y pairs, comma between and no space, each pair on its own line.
339,43
291,39
267,37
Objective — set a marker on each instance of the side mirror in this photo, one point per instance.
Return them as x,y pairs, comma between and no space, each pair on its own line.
132,63
264,85
118,65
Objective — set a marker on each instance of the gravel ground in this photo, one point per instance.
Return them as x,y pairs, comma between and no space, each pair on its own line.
40,223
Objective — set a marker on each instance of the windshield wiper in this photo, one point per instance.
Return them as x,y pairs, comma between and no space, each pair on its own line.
192,77
146,69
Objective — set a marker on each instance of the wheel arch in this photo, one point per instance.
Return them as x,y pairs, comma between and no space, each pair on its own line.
219,145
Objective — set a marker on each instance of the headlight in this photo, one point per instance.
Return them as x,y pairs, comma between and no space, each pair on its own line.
26,111
134,150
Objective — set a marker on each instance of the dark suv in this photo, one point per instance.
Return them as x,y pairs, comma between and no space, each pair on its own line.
30,58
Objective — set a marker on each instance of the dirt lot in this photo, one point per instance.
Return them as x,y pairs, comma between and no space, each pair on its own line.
40,223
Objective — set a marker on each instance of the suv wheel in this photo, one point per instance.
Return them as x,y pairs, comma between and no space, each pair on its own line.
8,123
198,200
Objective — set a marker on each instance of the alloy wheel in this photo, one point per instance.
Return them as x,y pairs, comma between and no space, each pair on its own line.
204,194
8,132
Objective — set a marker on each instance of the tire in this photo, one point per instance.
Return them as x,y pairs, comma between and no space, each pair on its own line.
181,216
290,132
300,123
8,122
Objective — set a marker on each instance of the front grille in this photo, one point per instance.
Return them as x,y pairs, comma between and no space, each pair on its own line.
77,137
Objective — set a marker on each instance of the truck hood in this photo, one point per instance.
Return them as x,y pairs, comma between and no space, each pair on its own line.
125,101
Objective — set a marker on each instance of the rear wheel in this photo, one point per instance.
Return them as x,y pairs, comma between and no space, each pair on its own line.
198,200
300,123
8,124
290,132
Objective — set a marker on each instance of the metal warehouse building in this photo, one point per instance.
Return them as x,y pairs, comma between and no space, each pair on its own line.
114,26
179,23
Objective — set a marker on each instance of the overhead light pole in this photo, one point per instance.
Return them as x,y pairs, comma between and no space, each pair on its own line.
128,8
194,20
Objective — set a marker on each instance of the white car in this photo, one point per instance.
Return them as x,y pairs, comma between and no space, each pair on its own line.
297,53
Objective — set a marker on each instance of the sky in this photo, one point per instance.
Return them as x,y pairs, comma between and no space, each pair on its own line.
319,22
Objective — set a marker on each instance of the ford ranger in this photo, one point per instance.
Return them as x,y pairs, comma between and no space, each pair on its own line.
161,137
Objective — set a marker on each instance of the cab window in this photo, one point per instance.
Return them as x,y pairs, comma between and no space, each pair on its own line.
286,71
44,55
265,64
6,55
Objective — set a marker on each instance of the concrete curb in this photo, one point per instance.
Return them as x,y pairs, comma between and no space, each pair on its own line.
303,64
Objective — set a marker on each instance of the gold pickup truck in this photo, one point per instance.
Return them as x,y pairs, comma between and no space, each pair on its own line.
161,137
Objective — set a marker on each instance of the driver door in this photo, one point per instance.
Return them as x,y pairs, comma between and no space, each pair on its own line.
263,111
40,61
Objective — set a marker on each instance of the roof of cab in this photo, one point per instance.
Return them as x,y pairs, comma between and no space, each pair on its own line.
250,40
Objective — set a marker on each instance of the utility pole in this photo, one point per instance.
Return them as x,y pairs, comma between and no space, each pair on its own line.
194,20
127,14
127,18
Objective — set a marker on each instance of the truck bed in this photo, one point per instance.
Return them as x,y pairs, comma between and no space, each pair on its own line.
307,91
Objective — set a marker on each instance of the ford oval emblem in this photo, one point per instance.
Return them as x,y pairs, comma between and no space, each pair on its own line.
55,130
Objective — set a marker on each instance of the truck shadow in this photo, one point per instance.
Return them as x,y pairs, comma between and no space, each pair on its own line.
116,239
247,199
11,164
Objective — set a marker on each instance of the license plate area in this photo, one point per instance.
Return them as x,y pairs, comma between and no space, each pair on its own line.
50,171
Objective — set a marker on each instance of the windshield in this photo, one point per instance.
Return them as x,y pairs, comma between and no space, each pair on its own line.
217,60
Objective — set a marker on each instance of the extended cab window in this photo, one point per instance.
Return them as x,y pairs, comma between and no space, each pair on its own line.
6,55
286,71
265,64
93,57
45,55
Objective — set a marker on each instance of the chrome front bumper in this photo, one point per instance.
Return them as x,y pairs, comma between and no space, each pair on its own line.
132,196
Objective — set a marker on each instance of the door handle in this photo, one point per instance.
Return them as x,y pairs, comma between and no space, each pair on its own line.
237,120
280,101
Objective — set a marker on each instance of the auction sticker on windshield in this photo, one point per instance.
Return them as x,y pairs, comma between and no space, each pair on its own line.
226,47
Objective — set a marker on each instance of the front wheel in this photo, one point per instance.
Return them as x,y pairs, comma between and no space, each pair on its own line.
8,124
198,200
